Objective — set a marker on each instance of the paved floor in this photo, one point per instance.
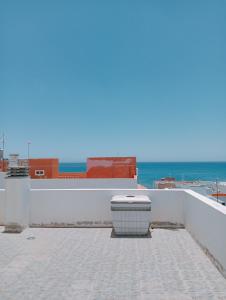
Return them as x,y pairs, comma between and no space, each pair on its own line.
89,264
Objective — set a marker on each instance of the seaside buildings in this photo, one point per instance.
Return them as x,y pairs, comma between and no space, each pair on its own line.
212,189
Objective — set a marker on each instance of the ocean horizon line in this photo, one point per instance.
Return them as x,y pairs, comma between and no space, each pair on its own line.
158,162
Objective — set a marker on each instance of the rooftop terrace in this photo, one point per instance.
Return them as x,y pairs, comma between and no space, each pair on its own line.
87,263
69,253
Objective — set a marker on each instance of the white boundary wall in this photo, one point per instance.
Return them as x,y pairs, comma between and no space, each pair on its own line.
79,183
2,206
70,206
93,205
2,180
84,183
206,221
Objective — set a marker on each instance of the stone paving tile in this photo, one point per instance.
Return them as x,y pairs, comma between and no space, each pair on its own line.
64,263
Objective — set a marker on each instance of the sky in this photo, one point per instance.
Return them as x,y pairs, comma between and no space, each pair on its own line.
140,78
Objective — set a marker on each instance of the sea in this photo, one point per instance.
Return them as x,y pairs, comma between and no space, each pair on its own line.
148,172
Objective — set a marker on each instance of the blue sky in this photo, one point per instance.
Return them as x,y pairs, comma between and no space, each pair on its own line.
105,78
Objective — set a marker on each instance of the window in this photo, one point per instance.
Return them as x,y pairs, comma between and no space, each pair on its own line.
39,172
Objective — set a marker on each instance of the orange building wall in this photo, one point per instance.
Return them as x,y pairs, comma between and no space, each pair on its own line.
72,175
111,167
3,165
49,165
97,167
166,185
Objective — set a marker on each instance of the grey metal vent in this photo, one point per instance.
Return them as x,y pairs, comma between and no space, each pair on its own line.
18,172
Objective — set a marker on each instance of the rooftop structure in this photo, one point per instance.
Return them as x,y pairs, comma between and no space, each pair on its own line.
67,248
44,168
111,167
97,167
3,165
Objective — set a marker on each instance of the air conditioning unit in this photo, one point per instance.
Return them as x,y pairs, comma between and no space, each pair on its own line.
131,215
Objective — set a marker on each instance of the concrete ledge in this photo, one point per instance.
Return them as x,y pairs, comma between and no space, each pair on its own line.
167,225
105,224
13,228
85,224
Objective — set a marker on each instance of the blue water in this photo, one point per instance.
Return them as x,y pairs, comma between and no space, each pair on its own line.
72,167
148,172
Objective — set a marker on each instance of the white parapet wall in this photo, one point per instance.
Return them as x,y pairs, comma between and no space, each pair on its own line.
92,206
2,206
205,219
84,183
2,180
79,183
17,203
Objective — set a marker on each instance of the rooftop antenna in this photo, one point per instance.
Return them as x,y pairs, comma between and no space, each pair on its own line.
28,152
28,149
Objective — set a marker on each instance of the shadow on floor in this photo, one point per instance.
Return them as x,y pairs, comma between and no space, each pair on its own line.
146,236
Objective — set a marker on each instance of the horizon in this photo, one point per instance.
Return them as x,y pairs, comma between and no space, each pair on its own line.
81,79
153,162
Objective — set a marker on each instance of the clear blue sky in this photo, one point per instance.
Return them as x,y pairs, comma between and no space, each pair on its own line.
94,78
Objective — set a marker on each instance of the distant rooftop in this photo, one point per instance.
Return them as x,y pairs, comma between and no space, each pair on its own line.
76,263
97,167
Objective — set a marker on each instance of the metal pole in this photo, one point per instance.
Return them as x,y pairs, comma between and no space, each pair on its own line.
28,153
3,148
217,189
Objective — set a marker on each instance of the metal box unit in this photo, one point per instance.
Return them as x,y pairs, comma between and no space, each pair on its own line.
18,172
13,160
131,214
1,154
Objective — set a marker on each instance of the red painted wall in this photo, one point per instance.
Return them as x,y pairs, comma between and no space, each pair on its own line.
97,167
49,165
3,165
111,167
72,175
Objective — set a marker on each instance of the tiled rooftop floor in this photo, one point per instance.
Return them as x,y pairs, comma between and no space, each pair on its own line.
89,264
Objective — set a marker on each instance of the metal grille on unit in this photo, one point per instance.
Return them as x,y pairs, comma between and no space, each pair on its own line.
18,171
